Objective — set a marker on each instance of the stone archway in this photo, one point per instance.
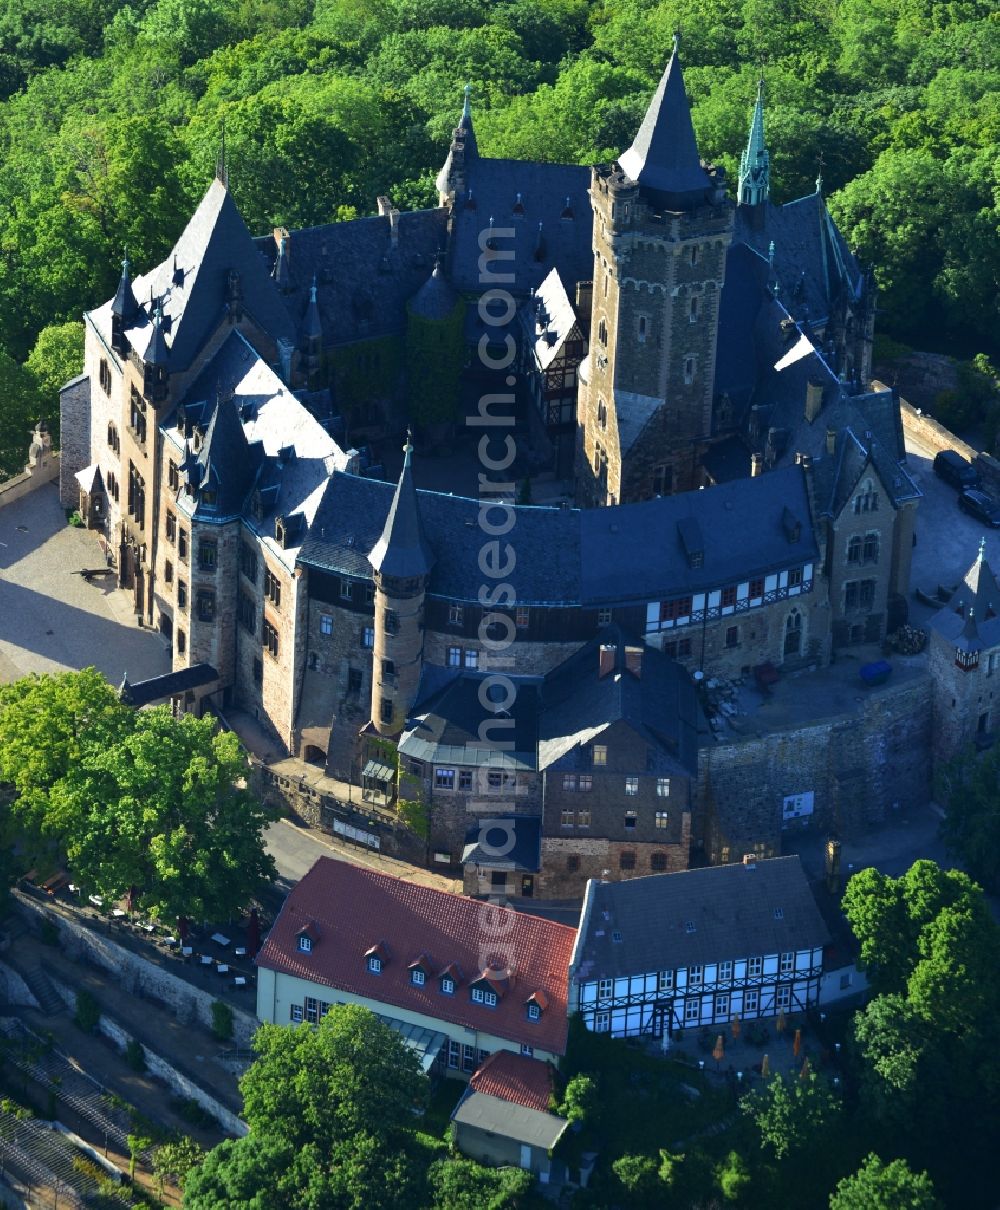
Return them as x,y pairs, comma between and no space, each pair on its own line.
793,636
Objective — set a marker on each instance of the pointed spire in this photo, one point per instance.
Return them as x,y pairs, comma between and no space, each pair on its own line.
221,168
402,551
125,305
664,154
982,549
465,126
467,107
312,327
156,351
755,163
282,273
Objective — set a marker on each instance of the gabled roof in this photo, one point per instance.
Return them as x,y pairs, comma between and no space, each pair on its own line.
402,550
737,911
664,154
170,684
356,908
448,727
191,283
515,1078
611,680
549,320
500,1117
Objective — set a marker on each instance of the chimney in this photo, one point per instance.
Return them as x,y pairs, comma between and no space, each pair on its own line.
384,206
805,461
814,400
756,465
831,441
607,660
394,227
633,661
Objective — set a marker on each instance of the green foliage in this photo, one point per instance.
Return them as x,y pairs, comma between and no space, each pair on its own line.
792,1114
878,1186
733,1177
639,1177
49,932
88,1011
970,787
137,1144
135,1057
465,1185
173,1161
222,1020
435,355
193,1112
581,1101
18,413
57,356
133,799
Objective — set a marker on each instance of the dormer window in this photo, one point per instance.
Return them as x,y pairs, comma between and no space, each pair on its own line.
534,1012
417,977
536,1005
305,943
448,986
376,958
374,964
481,996
306,939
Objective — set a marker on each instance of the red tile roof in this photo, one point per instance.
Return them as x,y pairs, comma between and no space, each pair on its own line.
514,1078
356,909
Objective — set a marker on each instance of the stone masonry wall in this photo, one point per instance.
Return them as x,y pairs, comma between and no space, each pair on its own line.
74,438
859,768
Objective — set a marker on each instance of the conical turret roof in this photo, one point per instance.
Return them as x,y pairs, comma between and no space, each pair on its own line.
312,325
755,161
664,154
125,305
156,351
436,298
402,550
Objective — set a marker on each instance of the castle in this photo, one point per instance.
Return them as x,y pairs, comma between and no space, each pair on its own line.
660,339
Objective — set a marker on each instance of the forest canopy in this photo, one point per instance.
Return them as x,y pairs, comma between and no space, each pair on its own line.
111,119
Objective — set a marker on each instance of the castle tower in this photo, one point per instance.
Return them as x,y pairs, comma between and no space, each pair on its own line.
964,659
662,224
401,560
755,164
451,180
124,310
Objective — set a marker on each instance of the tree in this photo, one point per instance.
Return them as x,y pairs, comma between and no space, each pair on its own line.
18,413
331,1114
581,1100
173,1161
971,826
135,801
57,356
733,1177
466,1185
790,1114
640,1177
878,1186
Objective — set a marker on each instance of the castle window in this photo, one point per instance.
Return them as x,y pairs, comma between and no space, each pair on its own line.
871,548
417,977
368,637
248,562
693,310
663,480
583,817
866,501
859,595
113,443
325,623
174,476
662,820
567,817
206,605
456,615
569,781
602,332
385,710
270,639
991,663
689,368
454,657
246,611
658,862
182,594
733,636
391,621
447,986
104,375
602,414
375,964
694,254
729,596
854,547
207,552
641,324
346,591
585,782
444,779
465,779
663,787
296,1013
631,787
168,571
793,633
795,577
600,754
471,658
305,943
631,819
272,588
181,642
534,1012
626,860
572,864
258,672
137,416
604,617
170,526
182,544
353,682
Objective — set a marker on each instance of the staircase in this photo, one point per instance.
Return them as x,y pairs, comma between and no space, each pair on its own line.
49,1000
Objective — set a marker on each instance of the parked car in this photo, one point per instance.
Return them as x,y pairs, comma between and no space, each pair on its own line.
977,504
950,466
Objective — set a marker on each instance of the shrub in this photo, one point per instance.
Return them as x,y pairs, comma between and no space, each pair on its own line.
222,1020
134,1055
88,1011
75,520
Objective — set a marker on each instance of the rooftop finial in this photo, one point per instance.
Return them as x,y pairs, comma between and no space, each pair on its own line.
312,289
770,255
677,40
819,173
408,448
982,548
467,105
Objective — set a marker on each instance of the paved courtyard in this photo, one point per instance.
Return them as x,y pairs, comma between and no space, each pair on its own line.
51,619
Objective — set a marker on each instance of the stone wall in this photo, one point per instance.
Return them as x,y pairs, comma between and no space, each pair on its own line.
926,431
136,974
14,990
38,473
858,767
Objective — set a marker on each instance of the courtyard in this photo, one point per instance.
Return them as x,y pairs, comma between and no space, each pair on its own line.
51,618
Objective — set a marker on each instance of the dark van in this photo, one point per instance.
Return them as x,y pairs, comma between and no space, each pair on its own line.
953,468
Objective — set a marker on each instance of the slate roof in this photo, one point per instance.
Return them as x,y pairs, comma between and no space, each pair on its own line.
191,284
812,263
544,190
436,298
548,320
354,908
514,1078
447,727
733,909
505,842
979,593
363,282
660,703
142,693
743,294
589,556
401,550
664,154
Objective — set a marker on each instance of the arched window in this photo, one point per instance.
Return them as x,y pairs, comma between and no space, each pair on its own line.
793,633
866,501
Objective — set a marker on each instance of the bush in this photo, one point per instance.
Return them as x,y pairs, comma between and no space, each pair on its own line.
191,1112
75,520
88,1011
222,1020
134,1055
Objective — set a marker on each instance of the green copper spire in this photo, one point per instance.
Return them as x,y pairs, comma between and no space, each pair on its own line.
755,163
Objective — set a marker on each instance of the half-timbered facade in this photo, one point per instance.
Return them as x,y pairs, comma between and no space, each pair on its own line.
677,951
